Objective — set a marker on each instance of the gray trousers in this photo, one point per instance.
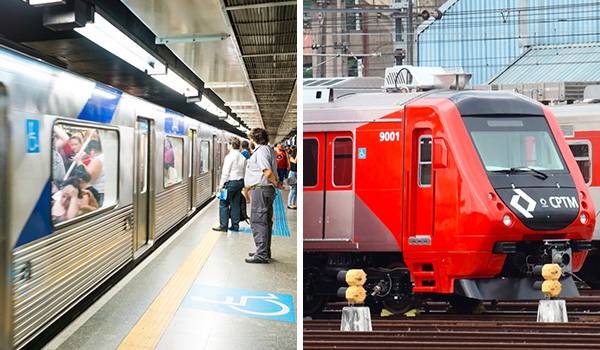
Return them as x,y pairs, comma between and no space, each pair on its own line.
261,220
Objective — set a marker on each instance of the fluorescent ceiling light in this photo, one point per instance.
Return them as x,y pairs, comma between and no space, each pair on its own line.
210,107
243,110
107,36
225,84
45,2
240,103
177,83
232,121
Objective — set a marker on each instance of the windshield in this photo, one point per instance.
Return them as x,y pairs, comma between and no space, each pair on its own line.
506,143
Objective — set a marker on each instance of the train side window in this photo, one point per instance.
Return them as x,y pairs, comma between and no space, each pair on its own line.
172,161
342,161
85,170
204,156
311,162
582,152
425,151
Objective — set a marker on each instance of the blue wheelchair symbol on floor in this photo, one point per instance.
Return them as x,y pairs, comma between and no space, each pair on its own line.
248,303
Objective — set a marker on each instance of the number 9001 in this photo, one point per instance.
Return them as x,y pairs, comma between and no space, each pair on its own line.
388,136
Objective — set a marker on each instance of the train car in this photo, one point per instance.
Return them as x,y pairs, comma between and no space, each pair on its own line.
581,128
462,194
96,177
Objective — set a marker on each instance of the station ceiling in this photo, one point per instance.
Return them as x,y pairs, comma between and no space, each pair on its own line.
240,50
254,67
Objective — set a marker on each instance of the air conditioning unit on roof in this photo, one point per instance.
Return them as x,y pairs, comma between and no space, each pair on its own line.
407,78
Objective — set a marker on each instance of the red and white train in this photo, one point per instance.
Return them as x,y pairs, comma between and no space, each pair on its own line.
580,124
462,194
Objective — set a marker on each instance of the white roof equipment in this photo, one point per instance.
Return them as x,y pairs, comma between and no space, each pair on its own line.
407,78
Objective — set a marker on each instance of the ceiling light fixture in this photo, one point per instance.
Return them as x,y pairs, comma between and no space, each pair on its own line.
177,83
240,103
104,34
39,3
210,107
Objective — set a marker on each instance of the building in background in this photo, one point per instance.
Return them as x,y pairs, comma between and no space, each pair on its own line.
357,37
485,37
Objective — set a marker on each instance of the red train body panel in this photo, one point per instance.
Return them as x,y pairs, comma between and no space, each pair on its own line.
581,128
400,175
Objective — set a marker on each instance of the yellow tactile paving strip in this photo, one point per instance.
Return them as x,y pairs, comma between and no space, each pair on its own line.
149,329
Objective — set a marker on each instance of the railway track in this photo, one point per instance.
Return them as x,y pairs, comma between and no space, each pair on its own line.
504,325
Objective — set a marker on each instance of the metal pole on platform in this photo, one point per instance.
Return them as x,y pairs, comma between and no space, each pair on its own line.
6,337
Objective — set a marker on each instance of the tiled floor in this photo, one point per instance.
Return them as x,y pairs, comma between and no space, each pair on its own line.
192,328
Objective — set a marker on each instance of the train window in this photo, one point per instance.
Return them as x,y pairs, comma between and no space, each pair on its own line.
142,151
425,161
172,161
84,170
342,161
582,152
504,144
204,156
311,159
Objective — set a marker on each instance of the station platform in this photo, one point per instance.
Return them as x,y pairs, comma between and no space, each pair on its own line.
196,292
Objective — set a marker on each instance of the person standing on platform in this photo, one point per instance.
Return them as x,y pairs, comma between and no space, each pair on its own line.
283,164
293,179
260,183
246,149
232,182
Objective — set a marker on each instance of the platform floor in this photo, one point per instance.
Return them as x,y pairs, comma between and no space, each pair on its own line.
196,292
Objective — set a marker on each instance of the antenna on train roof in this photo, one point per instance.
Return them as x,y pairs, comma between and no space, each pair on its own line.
406,78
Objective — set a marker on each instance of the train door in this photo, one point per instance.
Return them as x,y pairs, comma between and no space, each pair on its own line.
421,191
328,180
313,186
339,196
6,340
192,166
143,177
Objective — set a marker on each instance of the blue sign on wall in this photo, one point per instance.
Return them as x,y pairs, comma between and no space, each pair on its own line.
241,302
362,153
32,129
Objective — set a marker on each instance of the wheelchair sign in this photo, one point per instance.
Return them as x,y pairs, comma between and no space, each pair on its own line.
248,303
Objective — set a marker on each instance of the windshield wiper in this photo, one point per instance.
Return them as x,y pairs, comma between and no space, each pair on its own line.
539,174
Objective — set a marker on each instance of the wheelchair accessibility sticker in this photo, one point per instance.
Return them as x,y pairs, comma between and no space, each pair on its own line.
248,303
362,153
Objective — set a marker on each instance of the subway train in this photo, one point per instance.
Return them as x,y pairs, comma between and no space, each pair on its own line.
447,194
95,178
581,128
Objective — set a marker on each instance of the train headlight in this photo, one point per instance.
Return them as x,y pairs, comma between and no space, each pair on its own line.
583,218
507,220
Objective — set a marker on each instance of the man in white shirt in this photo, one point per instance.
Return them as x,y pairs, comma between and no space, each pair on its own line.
232,179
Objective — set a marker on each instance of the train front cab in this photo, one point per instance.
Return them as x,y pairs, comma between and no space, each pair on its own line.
507,197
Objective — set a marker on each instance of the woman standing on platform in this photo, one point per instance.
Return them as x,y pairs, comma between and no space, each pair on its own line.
232,182
293,178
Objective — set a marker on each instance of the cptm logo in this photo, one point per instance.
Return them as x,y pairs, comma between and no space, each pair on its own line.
525,211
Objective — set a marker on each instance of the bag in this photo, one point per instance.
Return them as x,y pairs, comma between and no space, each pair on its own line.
243,212
223,194
292,180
